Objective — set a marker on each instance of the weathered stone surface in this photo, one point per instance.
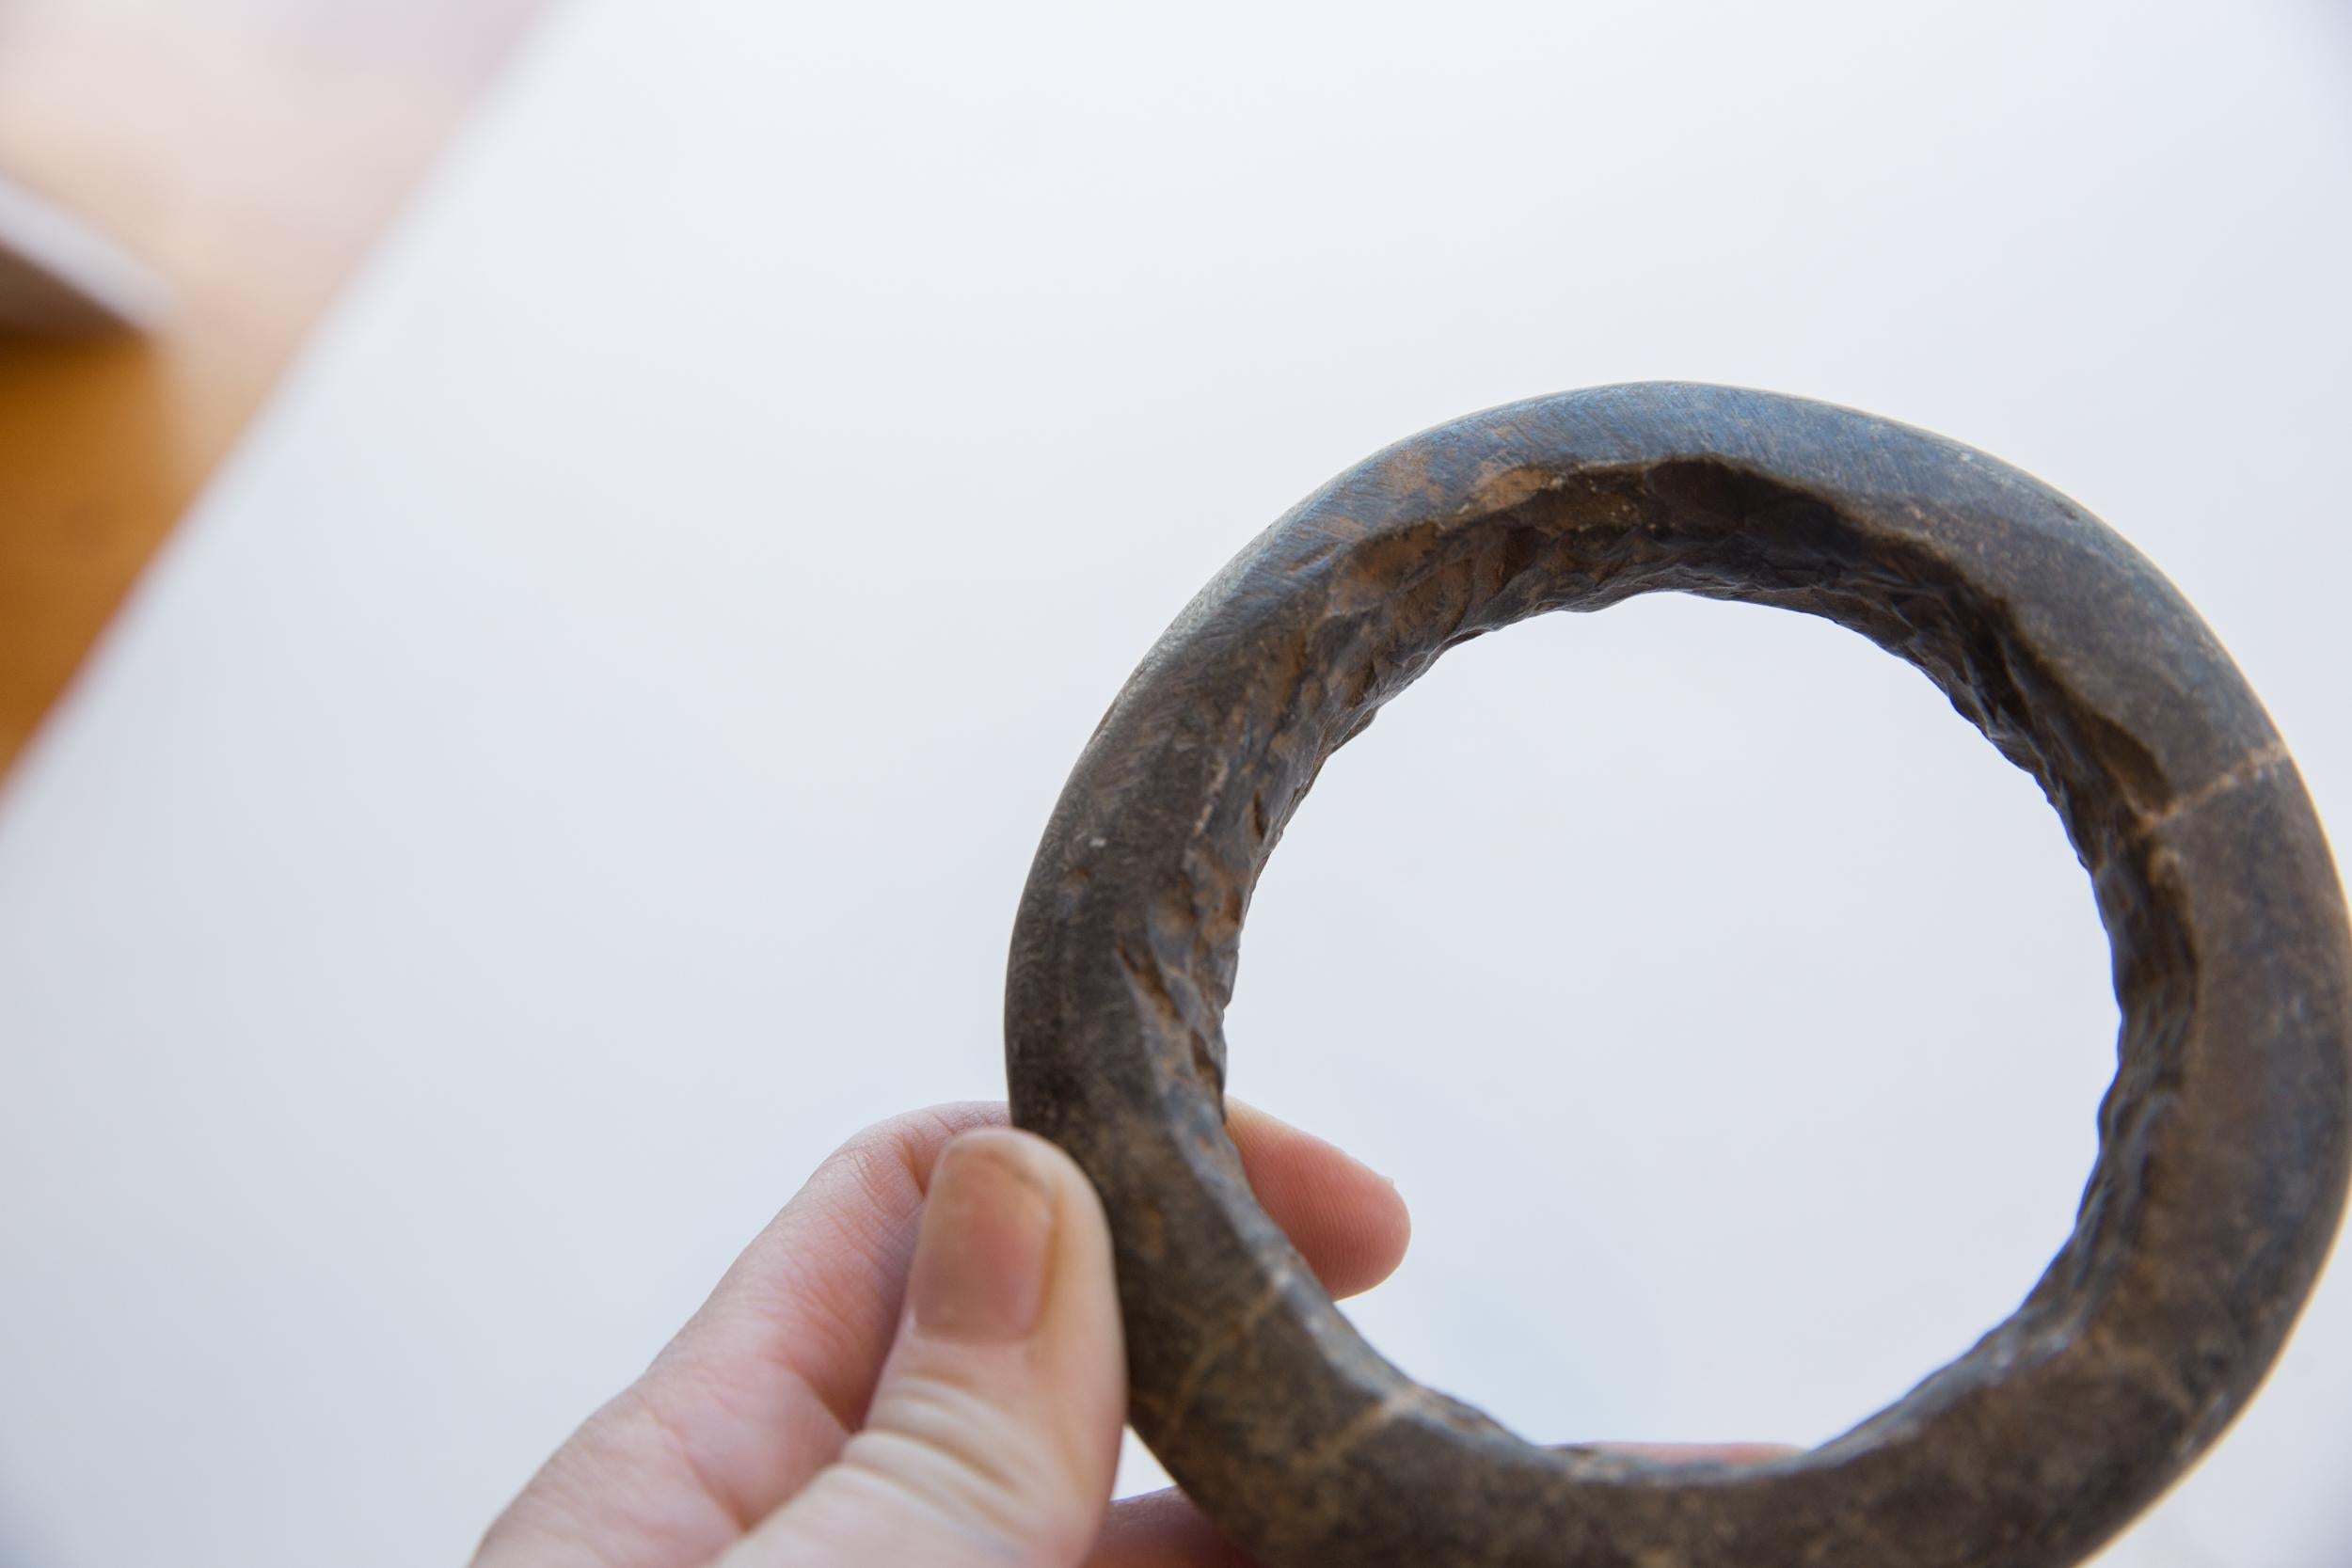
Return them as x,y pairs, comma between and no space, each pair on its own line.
2223,1154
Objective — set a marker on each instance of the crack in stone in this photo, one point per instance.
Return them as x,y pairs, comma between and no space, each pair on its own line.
2254,764
1217,1350
1361,1429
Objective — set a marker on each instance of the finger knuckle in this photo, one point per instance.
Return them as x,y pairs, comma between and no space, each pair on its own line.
980,1465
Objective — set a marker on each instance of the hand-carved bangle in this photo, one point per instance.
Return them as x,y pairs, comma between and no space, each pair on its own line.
2223,1143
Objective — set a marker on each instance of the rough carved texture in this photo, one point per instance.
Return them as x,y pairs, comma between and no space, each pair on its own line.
2223,1154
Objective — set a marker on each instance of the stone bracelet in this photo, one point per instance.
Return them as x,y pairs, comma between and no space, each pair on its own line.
2223,1142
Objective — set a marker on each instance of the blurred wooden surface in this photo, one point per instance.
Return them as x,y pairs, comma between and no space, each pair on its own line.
249,152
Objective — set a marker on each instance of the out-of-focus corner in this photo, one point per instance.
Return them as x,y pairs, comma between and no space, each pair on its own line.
61,279
184,186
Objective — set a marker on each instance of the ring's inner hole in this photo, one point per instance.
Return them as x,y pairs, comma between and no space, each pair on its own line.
1733,1017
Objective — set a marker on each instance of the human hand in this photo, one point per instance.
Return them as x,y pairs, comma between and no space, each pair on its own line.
886,1382
917,1364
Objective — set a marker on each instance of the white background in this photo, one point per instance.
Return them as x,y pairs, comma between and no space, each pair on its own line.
580,762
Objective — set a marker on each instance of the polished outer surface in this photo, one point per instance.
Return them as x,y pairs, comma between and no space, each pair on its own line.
2222,1159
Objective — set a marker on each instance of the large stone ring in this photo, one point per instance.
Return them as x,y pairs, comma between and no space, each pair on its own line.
2223,1143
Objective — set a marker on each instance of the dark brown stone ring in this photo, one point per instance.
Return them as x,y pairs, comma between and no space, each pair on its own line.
2222,1159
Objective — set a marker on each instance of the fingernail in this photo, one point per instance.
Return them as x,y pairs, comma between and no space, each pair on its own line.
987,1241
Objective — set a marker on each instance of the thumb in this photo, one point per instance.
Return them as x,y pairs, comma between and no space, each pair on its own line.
993,1432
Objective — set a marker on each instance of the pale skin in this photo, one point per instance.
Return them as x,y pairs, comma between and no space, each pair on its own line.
919,1361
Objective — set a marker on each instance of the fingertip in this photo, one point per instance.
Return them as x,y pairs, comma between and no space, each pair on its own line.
1046,1163
1078,1274
1348,1220
982,1263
